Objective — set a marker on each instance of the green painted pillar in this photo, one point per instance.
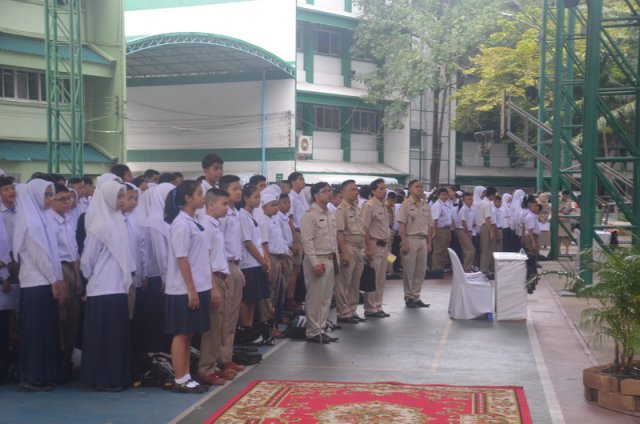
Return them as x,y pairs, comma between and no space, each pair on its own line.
635,205
558,103
348,6
308,41
542,113
345,53
345,133
590,134
567,157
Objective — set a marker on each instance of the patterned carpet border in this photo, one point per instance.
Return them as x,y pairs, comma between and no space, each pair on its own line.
276,400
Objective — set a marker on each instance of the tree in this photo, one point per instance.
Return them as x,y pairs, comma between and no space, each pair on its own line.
419,45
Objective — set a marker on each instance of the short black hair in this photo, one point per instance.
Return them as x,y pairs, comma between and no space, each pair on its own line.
137,181
442,190
119,170
74,180
178,175
375,183
42,176
412,182
5,181
346,183
166,177
566,192
227,180
57,178
467,194
391,195
257,178
294,176
149,173
365,192
337,191
214,194
211,159
283,196
87,180
490,191
61,188
315,189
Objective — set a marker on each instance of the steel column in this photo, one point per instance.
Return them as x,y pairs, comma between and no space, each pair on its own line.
542,113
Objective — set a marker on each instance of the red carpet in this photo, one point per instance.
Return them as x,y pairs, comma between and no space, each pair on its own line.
270,401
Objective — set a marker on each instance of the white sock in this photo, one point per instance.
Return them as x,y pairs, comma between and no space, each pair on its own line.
183,379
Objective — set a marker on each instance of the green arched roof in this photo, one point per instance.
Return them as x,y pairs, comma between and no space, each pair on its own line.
169,57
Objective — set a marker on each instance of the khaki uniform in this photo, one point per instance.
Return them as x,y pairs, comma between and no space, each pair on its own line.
231,299
349,222
318,234
416,216
375,219
211,341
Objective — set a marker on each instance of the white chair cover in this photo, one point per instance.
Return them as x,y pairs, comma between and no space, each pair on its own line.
471,293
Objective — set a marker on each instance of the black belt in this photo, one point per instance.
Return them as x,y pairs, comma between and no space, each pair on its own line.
381,243
234,261
279,255
67,263
331,256
220,274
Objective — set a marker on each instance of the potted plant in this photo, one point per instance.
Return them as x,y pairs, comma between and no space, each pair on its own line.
614,312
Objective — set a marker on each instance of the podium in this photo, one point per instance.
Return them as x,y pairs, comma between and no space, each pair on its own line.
511,286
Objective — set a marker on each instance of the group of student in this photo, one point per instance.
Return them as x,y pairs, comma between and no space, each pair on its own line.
136,265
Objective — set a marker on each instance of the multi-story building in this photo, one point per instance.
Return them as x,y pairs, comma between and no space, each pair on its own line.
282,95
23,94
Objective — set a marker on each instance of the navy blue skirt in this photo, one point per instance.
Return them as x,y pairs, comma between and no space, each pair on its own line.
148,319
256,285
39,336
179,319
106,353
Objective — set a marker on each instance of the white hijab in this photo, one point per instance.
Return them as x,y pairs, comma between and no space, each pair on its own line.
155,200
505,208
105,222
33,222
477,196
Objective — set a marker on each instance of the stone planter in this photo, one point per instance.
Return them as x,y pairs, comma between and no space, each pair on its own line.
609,391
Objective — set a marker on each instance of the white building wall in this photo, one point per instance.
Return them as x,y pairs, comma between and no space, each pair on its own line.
333,5
301,74
360,68
204,116
327,70
396,147
363,142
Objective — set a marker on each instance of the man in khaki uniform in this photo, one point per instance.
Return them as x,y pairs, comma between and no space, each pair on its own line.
377,235
318,234
351,246
415,220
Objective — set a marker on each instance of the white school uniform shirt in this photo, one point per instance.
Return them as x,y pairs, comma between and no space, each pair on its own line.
272,233
65,233
216,244
483,212
9,220
136,240
467,214
297,208
283,220
36,268
187,240
250,231
155,253
5,255
331,208
441,212
531,223
230,229
101,268
83,204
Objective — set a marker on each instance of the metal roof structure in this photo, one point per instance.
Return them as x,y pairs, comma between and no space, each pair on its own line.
36,47
23,151
198,55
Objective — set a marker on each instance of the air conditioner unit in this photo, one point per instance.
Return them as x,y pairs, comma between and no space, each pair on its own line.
305,145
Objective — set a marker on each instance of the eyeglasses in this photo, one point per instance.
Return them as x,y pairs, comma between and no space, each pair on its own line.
325,191
48,194
62,199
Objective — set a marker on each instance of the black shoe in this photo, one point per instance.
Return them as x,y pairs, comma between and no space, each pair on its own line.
491,276
320,338
107,389
421,304
378,314
189,387
349,320
410,303
330,339
386,315
359,318
26,387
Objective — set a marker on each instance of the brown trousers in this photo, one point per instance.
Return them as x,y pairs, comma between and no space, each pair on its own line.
486,250
414,265
468,250
441,241
230,311
211,341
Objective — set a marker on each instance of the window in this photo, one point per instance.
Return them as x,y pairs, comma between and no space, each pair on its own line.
300,37
327,42
416,139
327,118
299,116
364,121
18,84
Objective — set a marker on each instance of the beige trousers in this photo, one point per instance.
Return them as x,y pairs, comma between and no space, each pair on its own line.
486,250
211,341
319,292
414,265
230,311
440,244
373,300
348,283
468,250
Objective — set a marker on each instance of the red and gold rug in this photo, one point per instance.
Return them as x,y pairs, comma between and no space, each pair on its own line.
270,402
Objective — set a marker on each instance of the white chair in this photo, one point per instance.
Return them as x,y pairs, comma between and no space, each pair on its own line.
471,292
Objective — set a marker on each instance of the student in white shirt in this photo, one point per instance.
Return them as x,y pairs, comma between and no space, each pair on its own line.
232,235
136,241
277,250
216,206
212,167
34,245
517,210
296,179
441,233
189,280
254,263
464,232
150,302
286,224
486,231
106,263
69,308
